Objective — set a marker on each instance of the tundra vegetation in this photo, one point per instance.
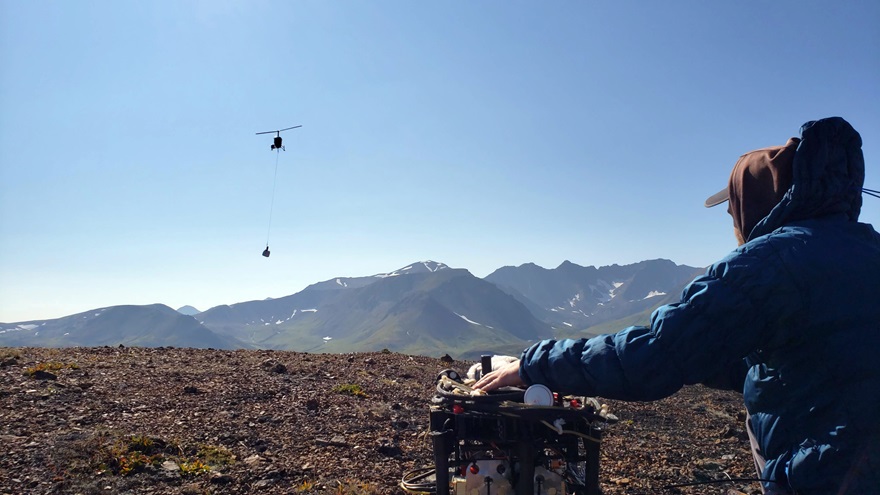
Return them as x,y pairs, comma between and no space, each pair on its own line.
207,421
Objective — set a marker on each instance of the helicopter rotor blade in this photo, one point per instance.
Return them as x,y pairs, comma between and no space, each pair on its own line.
279,131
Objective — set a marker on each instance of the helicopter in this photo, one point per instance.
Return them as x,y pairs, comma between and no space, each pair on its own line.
277,142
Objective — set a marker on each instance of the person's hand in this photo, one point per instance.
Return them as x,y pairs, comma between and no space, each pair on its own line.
508,376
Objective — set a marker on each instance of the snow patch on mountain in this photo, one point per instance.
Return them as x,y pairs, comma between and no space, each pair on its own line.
433,266
418,267
472,322
611,292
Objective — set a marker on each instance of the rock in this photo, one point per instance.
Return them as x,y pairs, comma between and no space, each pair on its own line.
170,466
336,441
389,450
273,366
709,465
221,479
192,489
44,375
263,483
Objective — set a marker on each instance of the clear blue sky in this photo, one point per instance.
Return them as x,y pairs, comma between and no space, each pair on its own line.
475,133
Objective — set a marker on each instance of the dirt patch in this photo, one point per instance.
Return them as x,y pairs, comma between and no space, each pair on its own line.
199,421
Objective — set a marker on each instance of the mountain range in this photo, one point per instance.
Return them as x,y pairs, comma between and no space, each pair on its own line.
425,308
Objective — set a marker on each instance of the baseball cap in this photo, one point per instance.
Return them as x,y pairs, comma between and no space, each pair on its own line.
769,169
717,198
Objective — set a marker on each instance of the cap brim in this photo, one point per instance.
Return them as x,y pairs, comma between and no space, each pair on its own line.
717,198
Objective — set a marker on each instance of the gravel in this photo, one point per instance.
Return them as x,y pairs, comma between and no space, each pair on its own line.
197,421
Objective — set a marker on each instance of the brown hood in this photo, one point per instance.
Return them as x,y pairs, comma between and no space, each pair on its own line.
758,182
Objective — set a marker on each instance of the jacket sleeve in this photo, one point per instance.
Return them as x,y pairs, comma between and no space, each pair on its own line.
722,317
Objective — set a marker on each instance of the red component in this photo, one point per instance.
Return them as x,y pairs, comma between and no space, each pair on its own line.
475,469
575,403
457,409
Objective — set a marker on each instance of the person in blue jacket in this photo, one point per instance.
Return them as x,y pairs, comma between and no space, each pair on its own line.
791,318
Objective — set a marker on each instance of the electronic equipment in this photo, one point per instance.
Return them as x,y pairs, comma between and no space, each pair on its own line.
502,444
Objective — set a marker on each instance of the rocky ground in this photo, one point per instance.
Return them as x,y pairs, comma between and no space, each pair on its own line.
195,421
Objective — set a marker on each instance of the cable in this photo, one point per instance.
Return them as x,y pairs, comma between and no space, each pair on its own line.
494,397
409,481
272,202
712,482
569,432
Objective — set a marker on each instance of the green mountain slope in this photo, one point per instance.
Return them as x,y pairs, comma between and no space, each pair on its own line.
153,325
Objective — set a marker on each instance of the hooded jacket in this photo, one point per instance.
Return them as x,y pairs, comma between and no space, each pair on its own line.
791,318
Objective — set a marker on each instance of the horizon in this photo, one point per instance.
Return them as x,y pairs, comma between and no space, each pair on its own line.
379,274
480,135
